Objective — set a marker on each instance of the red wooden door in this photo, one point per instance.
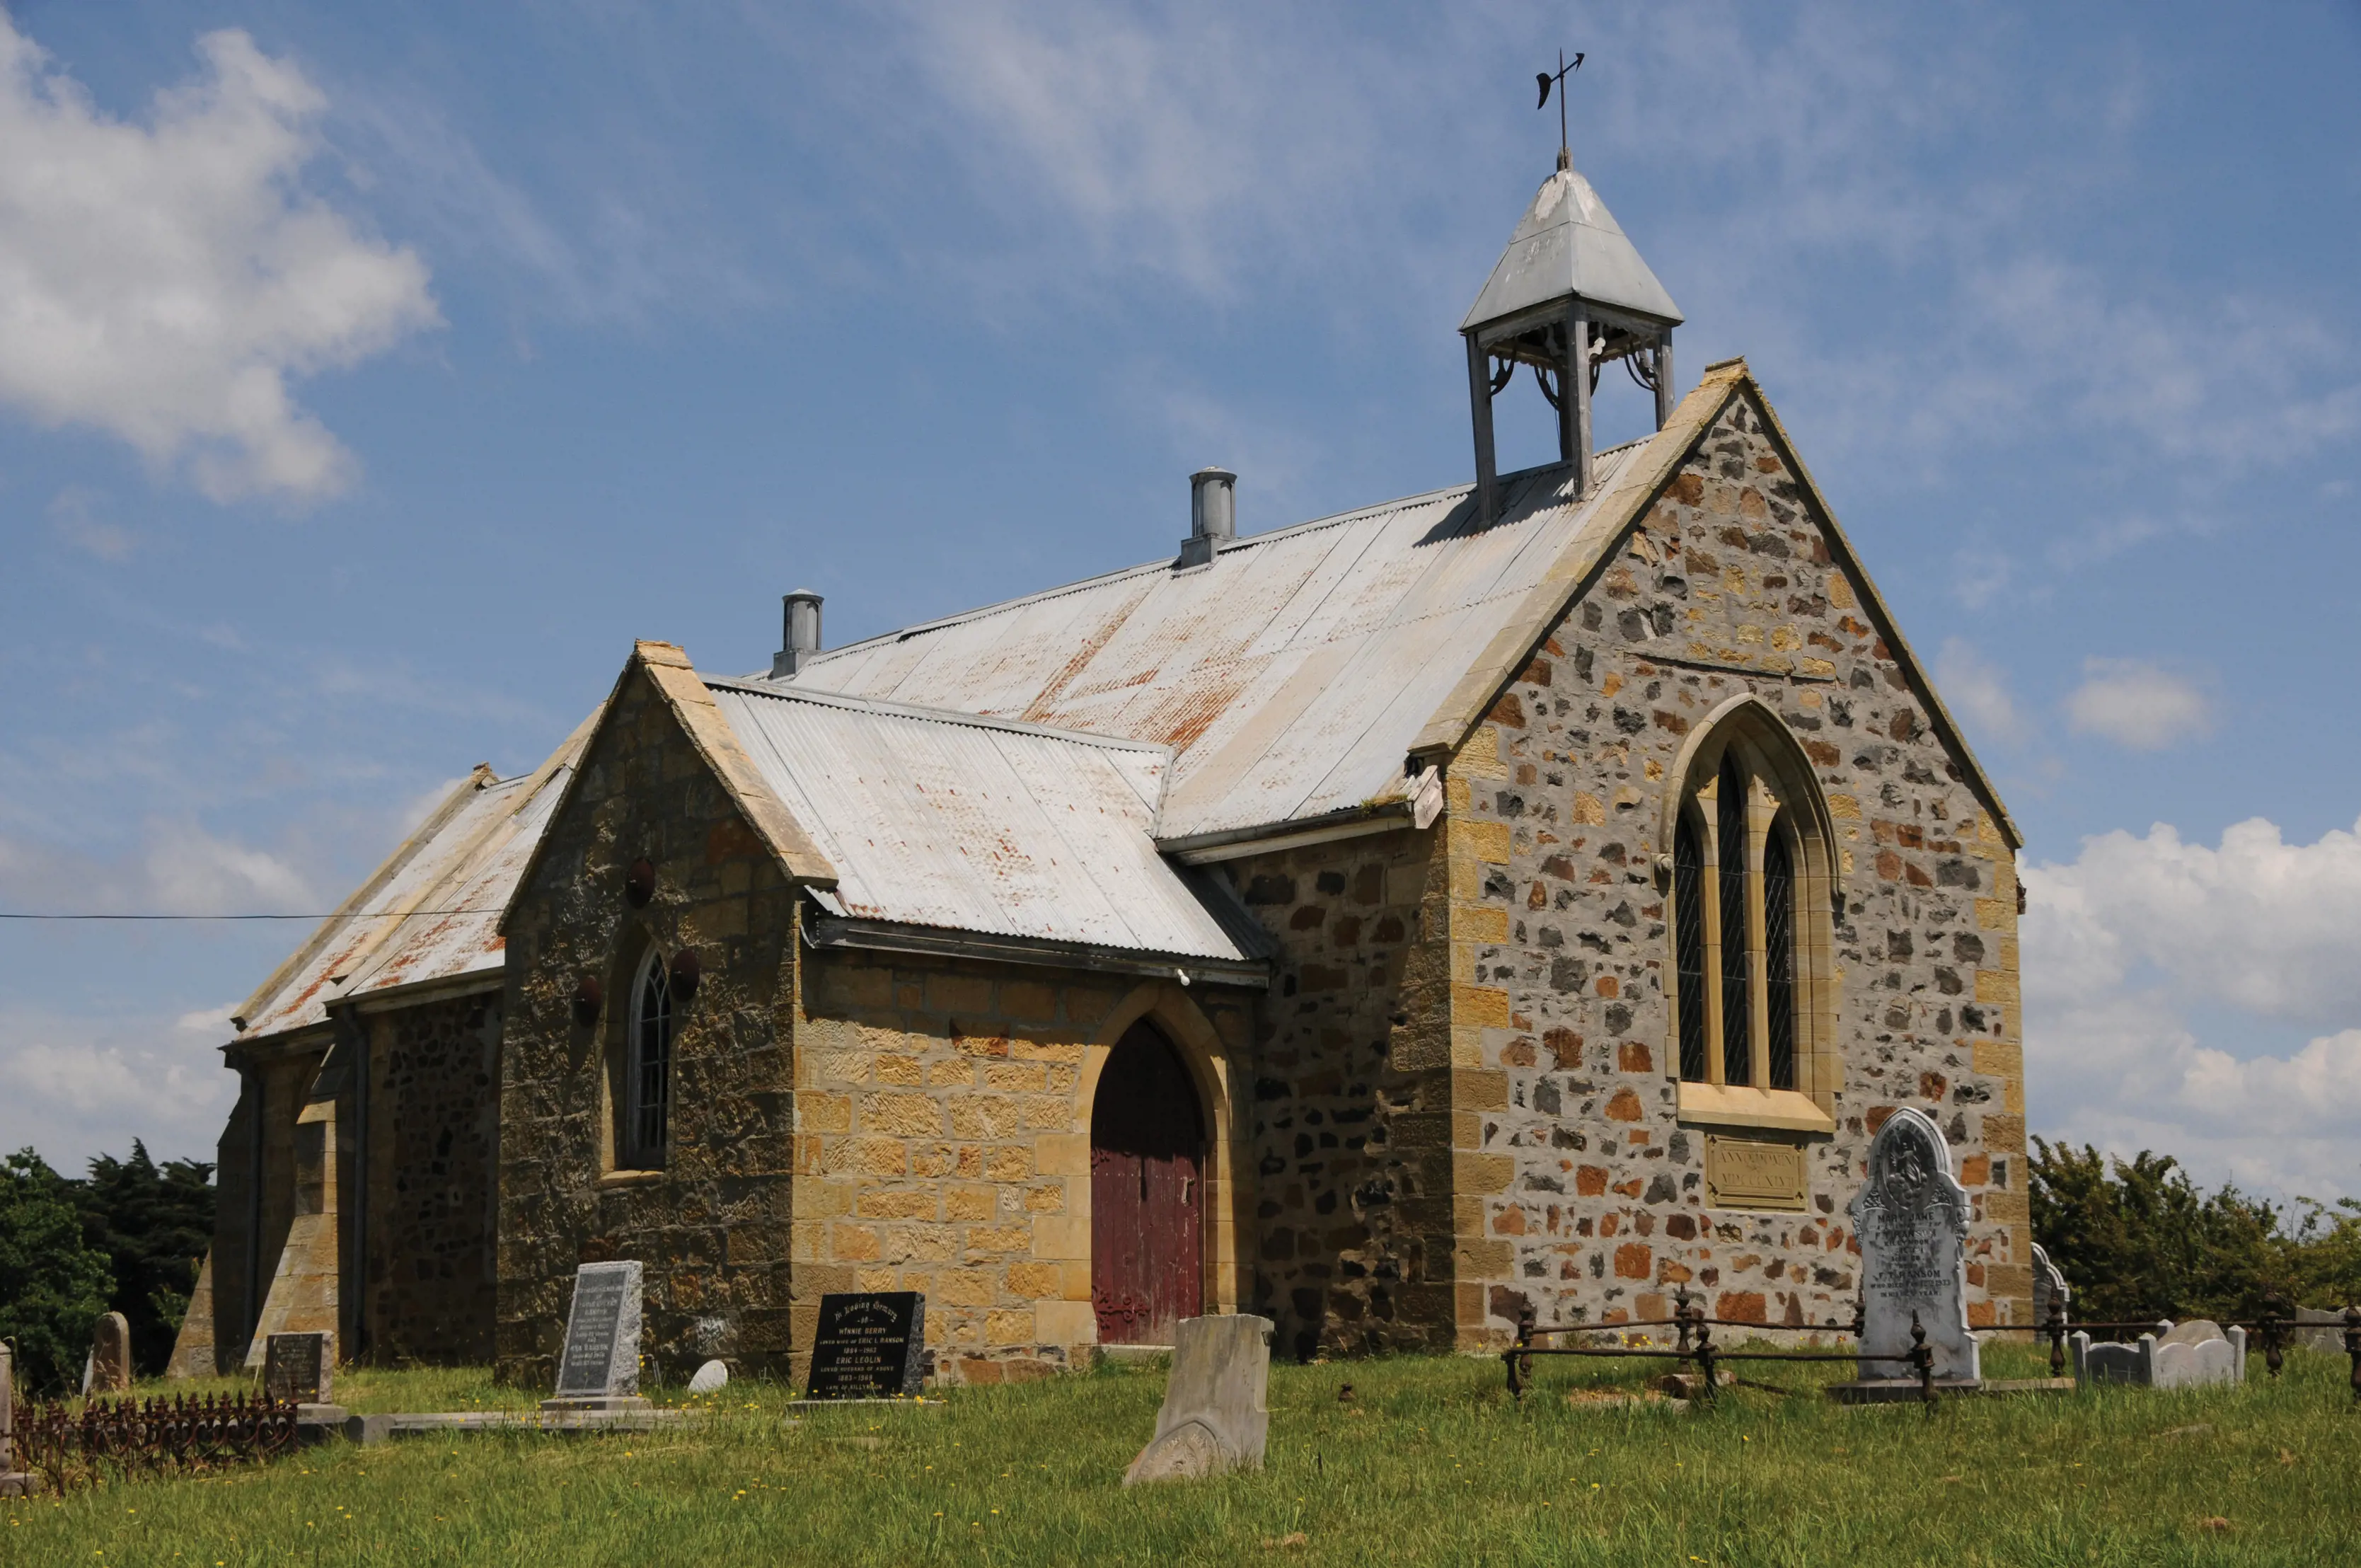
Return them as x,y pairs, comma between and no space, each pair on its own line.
1147,1193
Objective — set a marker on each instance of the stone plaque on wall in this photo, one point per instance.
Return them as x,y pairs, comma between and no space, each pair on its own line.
1749,1173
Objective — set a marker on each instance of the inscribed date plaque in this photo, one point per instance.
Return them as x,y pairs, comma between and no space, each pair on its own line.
1746,1173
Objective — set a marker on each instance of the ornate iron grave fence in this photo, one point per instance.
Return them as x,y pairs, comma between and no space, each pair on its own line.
1695,1344
128,1437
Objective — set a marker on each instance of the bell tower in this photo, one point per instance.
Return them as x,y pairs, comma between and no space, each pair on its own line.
1568,295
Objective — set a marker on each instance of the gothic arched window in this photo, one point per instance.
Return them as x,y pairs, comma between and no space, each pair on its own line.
1749,890
647,1067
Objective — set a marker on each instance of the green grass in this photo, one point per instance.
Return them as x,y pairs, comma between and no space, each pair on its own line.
1429,1462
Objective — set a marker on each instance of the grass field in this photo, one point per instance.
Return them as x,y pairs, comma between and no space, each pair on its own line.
1429,1462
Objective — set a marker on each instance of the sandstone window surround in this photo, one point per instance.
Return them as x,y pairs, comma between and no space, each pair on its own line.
1750,886
639,1098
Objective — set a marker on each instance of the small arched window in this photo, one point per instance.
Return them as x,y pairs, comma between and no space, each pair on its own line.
1743,852
647,1067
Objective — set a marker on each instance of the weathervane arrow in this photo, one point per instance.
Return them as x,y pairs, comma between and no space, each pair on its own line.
1545,80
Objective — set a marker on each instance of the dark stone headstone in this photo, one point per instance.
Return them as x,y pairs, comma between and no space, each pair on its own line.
599,1367
871,1346
300,1368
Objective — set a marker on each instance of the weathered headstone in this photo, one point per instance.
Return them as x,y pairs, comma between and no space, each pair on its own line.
300,1369
110,1356
871,1345
2048,1286
14,1482
1213,1417
598,1369
711,1378
1911,1216
2192,1355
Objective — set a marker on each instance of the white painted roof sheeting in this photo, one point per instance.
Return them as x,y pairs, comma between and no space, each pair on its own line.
1289,677
943,819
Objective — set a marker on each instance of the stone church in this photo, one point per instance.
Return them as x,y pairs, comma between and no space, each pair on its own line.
1531,894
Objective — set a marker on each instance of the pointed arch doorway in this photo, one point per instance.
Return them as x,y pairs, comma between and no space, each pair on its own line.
1147,1192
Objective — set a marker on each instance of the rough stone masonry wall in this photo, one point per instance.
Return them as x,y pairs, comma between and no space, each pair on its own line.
1352,1097
943,1146
1598,1211
282,1072
433,1138
713,1226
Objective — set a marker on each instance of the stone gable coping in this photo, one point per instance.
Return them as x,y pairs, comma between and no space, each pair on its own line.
674,679
1626,502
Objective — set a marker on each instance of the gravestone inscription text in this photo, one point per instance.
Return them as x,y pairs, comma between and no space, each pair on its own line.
602,1333
871,1345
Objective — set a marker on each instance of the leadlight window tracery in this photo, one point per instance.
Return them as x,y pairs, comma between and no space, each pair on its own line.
647,1117
1737,925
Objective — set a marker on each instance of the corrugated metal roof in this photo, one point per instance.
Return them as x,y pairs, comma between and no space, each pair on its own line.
947,819
1568,243
1289,677
432,910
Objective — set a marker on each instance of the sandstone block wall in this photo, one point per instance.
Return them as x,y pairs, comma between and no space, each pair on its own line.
942,1145
712,1226
1583,1192
1352,1096
426,1285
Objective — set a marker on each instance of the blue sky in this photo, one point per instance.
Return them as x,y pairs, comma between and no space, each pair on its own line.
370,377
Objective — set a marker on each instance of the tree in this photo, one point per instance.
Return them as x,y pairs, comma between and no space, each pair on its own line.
2137,1239
154,1224
53,1284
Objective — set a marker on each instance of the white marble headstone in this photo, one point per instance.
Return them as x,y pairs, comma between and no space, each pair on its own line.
2048,1286
1911,1216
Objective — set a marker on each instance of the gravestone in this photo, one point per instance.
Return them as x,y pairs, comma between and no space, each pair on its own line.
598,1369
871,1345
2048,1286
2195,1355
300,1368
14,1482
1911,1218
1213,1417
711,1378
110,1356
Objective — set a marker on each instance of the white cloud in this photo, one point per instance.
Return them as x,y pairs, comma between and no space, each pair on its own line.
164,281
2137,705
79,1086
74,514
2143,948
1977,688
181,870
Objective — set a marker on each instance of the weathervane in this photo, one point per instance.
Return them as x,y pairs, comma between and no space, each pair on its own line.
1565,155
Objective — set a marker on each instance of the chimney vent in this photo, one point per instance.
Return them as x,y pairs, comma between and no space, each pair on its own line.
1212,514
800,640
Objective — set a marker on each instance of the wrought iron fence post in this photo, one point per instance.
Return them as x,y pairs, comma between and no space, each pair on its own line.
2353,1347
1922,1356
1704,1356
2057,1335
1681,1318
1520,1365
2274,1332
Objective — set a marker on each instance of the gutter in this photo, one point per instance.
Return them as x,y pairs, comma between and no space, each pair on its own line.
933,941
1231,843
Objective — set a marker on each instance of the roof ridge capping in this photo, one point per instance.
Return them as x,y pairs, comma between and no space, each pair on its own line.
781,691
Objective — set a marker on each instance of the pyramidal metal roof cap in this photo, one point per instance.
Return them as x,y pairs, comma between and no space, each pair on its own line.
1570,244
